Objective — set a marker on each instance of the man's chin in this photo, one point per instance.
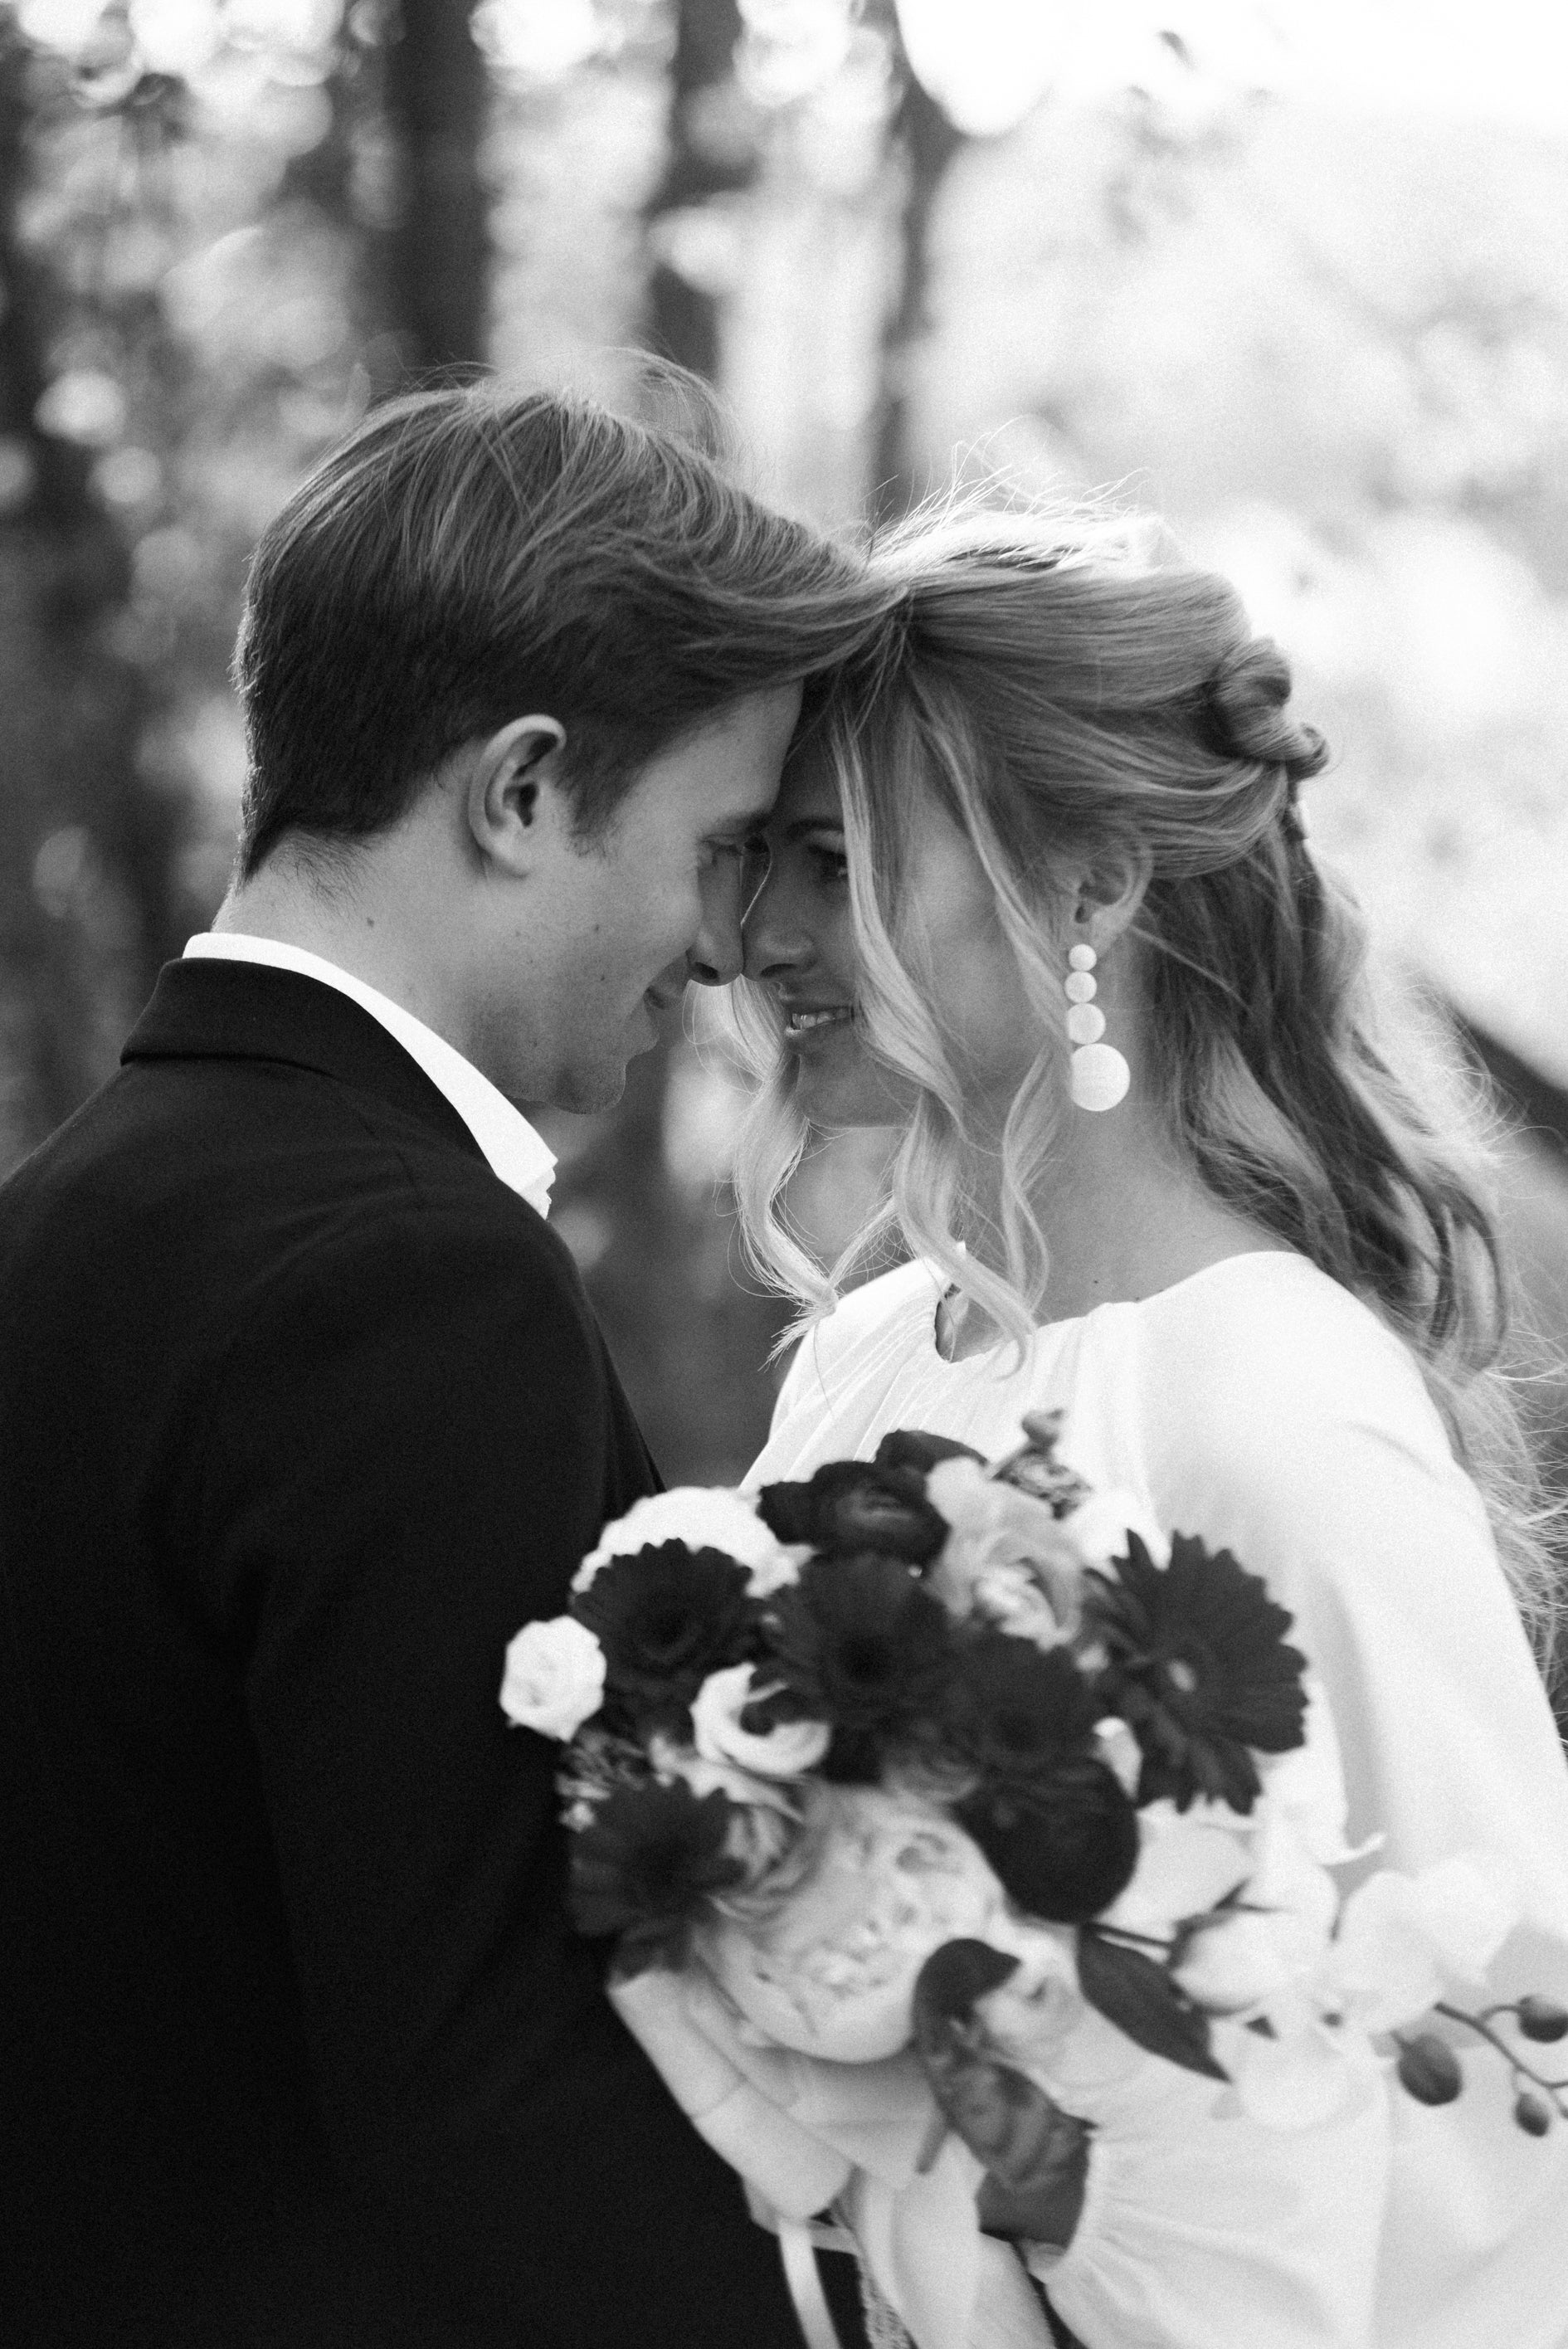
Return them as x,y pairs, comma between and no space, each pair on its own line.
585,1090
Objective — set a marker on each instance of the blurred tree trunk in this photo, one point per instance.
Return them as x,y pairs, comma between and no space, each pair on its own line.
86,912
438,256
924,144
683,318
690,1341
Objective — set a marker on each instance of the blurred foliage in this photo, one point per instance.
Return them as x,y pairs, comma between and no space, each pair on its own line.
1295,274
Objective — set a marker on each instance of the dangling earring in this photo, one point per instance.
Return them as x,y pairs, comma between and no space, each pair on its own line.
1099,1073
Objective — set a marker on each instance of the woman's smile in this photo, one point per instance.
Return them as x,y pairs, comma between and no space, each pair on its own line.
813,1023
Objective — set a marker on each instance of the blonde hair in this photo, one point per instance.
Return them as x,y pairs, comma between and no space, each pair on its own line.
1068,692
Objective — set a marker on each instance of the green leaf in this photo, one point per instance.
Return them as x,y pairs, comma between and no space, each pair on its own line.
1036,2154
1140,1997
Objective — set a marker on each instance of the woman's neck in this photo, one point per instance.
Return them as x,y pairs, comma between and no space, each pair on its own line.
1123,1217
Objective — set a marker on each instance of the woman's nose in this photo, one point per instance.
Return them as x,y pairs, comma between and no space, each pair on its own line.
774,944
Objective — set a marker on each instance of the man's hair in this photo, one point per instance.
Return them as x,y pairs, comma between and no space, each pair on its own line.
471,555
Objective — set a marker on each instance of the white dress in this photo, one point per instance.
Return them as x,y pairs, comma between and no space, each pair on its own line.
1259,1404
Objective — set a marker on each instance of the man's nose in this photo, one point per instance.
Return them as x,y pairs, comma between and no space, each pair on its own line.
719,955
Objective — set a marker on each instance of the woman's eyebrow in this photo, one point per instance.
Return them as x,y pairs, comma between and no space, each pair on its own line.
805,824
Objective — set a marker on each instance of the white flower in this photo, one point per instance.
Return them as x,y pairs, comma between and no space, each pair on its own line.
703,1517
831,1970
1300,2078
1397,1937
786,1752
1274,1942
1005,1556
704,1776
554,1677
1274,1859
1119,1751
1187,1860
1308,1785
1401,1936
1098,1529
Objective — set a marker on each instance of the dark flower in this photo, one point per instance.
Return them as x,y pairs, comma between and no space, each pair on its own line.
853,1506
646,1865
1199,1667
1015,1712
910,1447
1064,1845
665,1619
1035,1469
861,1644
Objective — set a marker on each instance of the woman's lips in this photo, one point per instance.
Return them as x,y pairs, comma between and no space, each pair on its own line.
806,1020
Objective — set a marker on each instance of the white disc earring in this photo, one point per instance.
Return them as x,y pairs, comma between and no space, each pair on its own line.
1099,1073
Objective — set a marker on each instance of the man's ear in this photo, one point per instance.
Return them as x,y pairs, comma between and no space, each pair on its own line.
513,795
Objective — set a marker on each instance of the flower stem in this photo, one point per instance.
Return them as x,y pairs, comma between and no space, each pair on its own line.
1516,2064
1127,1938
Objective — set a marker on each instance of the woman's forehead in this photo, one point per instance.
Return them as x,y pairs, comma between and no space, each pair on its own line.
809,790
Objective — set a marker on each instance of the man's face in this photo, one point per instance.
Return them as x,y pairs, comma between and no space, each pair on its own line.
612,928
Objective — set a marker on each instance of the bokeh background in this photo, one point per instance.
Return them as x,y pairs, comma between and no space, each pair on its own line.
1294,273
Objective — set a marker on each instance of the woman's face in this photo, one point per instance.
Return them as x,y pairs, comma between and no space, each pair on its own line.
800,944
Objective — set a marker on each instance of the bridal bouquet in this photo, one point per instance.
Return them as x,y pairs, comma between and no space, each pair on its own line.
926,1766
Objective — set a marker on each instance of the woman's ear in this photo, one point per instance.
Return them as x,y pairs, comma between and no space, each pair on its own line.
513,794
1107,895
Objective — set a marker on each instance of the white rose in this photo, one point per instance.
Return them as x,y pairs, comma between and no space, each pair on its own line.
554,1677
786,1752
703,1517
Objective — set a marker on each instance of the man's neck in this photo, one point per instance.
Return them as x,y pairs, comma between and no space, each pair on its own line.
345,919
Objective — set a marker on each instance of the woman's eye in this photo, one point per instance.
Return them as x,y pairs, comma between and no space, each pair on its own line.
831,865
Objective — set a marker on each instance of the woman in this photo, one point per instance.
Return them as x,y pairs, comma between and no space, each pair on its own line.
1040,893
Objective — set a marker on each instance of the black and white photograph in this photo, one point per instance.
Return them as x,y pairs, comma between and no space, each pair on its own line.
783,1174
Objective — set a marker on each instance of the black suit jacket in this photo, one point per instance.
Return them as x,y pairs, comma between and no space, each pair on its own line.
301,1414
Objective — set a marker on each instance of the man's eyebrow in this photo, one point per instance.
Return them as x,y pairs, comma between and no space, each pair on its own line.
741,827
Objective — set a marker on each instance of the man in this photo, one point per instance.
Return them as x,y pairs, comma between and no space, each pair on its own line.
302,1412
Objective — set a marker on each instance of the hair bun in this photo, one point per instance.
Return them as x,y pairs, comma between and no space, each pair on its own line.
1246,697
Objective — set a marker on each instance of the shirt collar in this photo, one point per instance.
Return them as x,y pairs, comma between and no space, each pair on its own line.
516,1152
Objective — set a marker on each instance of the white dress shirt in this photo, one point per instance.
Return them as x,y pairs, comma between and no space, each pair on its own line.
521,1159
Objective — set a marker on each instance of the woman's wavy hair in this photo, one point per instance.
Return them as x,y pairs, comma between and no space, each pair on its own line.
1070,690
